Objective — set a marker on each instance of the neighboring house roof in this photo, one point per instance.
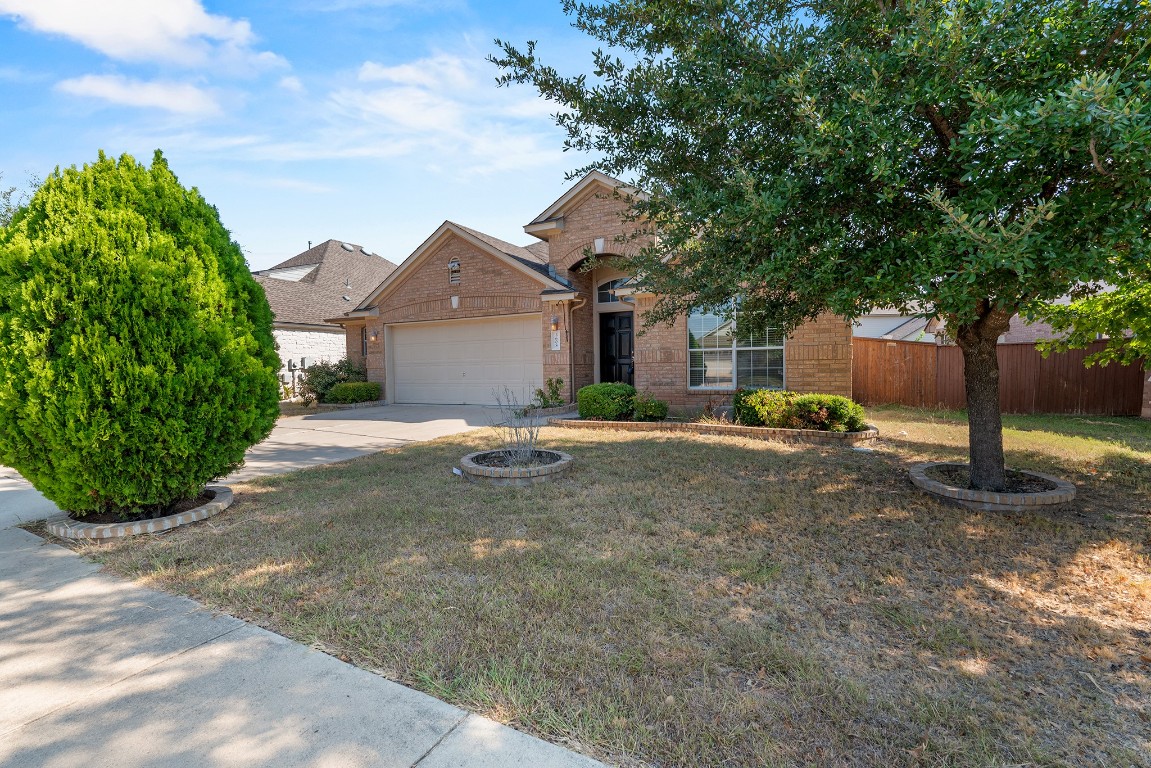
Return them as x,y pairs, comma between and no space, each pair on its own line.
326,280
530,262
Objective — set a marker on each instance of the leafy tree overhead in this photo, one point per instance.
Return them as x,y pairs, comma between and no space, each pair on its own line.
139,361
964,158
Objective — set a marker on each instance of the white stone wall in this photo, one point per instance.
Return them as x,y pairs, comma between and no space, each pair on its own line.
314,345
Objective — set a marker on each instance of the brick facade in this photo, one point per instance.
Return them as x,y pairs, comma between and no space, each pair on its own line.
817,356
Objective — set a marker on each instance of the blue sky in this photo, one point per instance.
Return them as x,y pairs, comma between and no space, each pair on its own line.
369,121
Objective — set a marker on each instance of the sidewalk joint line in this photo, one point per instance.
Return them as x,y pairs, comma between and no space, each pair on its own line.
440,740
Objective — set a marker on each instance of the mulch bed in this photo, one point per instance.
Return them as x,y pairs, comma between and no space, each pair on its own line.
147,513
959,476
503,459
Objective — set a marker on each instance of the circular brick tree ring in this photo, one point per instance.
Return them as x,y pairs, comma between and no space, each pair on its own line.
67,528
475,470
991,501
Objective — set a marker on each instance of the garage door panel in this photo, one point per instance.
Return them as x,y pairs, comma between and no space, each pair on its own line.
466,361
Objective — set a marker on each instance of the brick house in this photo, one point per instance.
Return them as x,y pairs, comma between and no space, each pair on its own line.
327,279
467,313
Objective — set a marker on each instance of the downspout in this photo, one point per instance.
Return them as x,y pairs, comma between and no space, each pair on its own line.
569,311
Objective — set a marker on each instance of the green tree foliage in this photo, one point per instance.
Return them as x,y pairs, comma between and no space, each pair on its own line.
138,354
963,158
320,377
1122,315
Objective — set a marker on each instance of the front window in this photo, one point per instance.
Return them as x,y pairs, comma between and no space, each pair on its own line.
364,340
723,356
605,293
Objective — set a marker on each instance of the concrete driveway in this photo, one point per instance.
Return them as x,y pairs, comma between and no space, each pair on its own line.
297,442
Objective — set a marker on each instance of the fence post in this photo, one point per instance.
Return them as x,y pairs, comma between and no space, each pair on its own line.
1146,395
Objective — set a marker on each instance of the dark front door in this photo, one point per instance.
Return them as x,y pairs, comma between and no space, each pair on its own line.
615,347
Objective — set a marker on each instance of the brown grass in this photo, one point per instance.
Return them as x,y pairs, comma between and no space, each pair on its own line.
706,601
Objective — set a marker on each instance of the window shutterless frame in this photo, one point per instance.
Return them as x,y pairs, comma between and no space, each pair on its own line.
721,356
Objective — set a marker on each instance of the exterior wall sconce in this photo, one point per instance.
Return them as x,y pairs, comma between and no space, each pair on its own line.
374,335
555,322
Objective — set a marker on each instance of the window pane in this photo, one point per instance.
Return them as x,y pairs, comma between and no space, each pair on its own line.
710,369
604,293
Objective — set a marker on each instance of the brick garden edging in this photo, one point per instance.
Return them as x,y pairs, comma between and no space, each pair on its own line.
815,436
989,501
517,476
67,528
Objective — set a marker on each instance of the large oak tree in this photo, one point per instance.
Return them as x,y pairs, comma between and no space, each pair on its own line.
968,159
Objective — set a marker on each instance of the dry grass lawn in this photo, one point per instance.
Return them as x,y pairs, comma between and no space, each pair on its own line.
706,601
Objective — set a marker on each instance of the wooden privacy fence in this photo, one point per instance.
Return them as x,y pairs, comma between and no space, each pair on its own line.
923,374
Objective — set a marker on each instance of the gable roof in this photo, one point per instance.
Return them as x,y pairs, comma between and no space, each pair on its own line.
551,219
340,276
532,263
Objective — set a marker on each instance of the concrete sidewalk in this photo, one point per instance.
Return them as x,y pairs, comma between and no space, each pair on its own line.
99,671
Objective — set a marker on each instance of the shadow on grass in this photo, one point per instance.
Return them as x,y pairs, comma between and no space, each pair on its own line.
683,600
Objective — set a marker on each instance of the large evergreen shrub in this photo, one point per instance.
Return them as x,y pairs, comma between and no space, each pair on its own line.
137,354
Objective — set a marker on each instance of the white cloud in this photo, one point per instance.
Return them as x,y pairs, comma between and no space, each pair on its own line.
291,83
180,98
173,31
449,106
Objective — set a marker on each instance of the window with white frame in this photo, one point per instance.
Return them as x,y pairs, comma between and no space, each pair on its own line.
454,272
722,356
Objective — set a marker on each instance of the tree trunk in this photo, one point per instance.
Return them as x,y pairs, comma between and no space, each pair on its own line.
978,341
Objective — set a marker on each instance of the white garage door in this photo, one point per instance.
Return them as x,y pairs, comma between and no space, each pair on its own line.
466,361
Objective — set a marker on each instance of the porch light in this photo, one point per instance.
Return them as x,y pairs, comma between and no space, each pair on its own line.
555,322
374,335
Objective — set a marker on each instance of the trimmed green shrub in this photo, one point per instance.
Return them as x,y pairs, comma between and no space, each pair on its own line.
762,407
646,407
319,378
138,357
789,410
829,412
353,392
608,401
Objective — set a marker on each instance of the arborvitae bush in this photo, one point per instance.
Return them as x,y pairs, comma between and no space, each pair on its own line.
136,353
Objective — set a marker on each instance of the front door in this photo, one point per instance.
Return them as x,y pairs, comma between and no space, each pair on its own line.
615,347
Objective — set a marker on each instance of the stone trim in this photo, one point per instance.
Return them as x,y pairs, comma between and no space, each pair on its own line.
349,406
989,501
816,436
67,528
517,476
557,410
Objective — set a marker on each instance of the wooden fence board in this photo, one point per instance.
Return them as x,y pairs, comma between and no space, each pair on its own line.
923,374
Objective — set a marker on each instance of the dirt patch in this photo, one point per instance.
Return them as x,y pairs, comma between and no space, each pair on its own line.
145,513
959,476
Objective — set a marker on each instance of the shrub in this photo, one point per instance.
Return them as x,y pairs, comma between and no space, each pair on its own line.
762,407
319,378
789,410
829,412
645,407
353,392
138,357
608,401
549,395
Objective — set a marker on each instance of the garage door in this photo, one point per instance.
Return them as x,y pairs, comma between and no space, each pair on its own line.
466,361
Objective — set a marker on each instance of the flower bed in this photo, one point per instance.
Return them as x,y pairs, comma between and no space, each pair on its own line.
814,436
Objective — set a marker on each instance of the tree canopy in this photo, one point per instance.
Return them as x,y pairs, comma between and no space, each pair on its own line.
968,159
138,354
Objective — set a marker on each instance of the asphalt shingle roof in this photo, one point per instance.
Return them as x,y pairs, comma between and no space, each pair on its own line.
342,270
